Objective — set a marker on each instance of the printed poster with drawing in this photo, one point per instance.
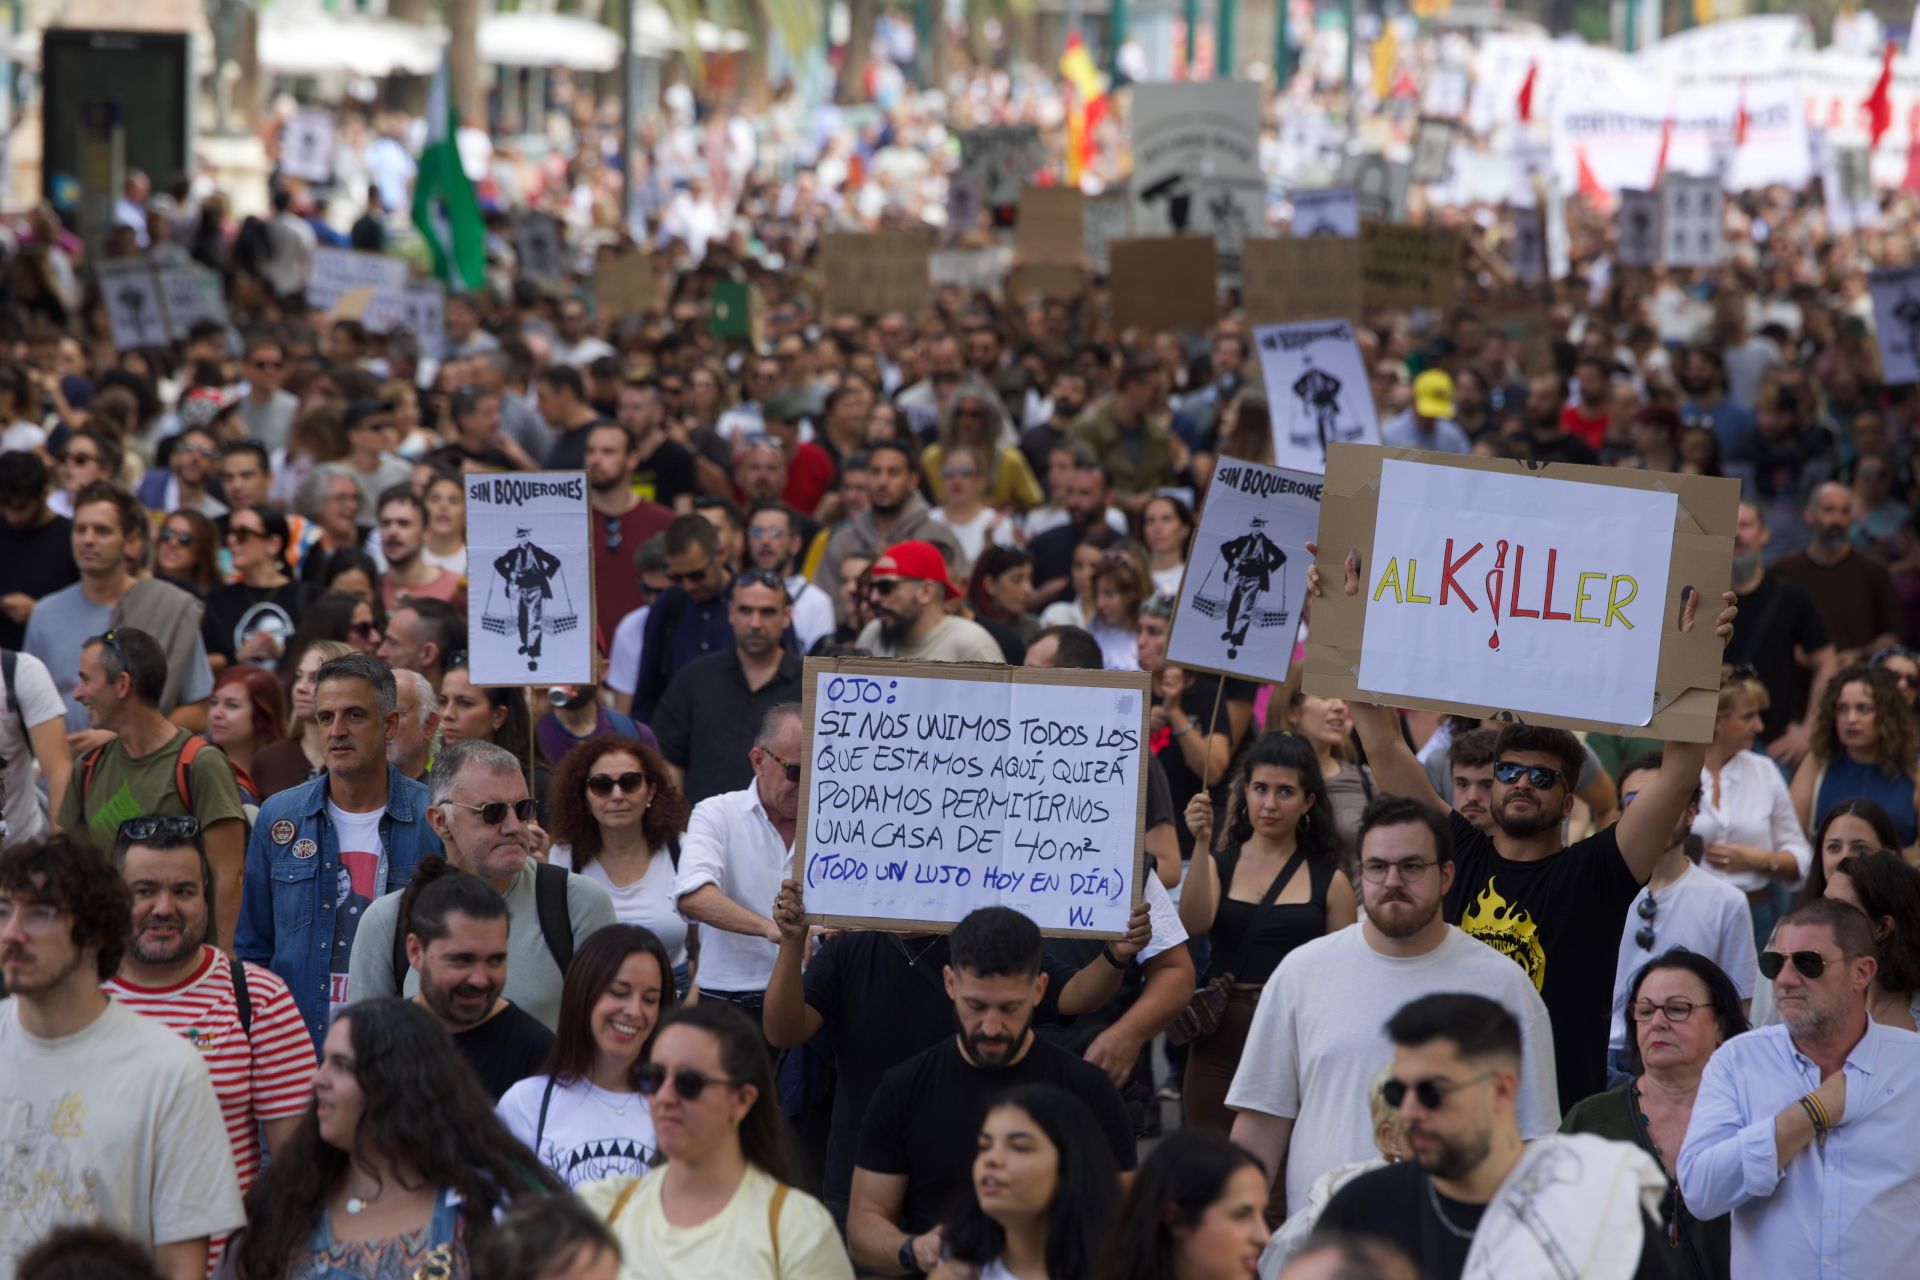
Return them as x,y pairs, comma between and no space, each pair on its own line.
1246,574
529,579
1896,322
1317,391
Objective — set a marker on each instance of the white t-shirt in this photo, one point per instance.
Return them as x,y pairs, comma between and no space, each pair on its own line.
623,659
648,902
116,1124
40,701
1319,1038
971,533
359,843
590,1134
1700,912
812,613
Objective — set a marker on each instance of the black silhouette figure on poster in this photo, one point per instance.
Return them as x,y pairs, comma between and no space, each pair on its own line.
1640,231
1179,200
133,302
1319,395
1907,312
529,571
1241,573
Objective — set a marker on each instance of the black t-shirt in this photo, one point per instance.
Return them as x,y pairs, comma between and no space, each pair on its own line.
237,611
666,473
569,452
1393,1204
1558,918
859,982
1052,554
1776,617
505,1049
1197,702
1568,448
38,563
925,1118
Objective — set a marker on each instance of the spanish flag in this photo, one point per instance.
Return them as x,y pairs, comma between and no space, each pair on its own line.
1086,104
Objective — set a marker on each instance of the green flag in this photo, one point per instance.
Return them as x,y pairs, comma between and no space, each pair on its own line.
444,206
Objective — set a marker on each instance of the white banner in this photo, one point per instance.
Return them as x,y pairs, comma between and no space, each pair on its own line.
337,272
1619,139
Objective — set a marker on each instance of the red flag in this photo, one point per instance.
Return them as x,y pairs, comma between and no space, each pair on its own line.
1590,185
1666,140
1879,103
1741,119
1526,92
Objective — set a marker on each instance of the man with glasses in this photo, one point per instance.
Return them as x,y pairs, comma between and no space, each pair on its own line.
182,485
707,718
1301,1090
251,621
622,520
1803,1131
1478,1187
908,592
737,850
324,850
266,409
481,812
774,539
688,620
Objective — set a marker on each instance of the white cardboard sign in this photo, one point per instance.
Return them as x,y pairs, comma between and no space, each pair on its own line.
1896,323
338,272
1691,221
1196,165
1317,391
306,146
529,543
1639,244
134,310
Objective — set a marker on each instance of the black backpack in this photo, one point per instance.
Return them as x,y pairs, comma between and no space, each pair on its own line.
549,906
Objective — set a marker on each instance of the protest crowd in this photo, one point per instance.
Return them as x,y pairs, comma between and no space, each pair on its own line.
329,951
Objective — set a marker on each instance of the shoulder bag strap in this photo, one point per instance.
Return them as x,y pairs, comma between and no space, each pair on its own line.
242,1002
620,1201
773,1221
550,907
540,1127
1245,949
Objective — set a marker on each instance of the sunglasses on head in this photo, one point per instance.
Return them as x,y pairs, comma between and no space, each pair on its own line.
688,1084
1538,775
1811,964
603,784
1431,1094
170,827
495,813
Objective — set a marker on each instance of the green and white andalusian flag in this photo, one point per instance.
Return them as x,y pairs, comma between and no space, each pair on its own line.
444,206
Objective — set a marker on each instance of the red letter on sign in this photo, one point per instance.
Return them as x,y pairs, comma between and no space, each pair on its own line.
1546,602
1449,567
1513,608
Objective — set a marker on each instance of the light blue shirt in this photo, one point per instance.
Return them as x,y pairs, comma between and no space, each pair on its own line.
1846,1207
1402,431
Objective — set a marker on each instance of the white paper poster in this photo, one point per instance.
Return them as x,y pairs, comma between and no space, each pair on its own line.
529,579
419,306
996,165
191,294
1896,322
1526,592
1104,219
134,310
1379,185
1639,244
1432,151
1691,221
1246,573
306,146
1325,211
537,244
1196,165
1317,392
337,272
928,796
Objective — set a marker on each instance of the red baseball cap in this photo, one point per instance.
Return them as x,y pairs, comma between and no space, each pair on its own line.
919,560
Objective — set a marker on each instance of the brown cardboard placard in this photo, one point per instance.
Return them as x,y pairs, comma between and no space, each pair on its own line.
1287,280
352,304
1050,229
1687,686
1403,267
886,669
871,273
625,283
1164,282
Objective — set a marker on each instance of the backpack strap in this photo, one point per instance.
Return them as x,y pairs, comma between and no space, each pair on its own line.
399,953
620,1201
773,1221
242,1002
183,768
550,905
10,663
89,763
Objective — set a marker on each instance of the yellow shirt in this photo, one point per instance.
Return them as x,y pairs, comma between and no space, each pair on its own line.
1013,483
735,1243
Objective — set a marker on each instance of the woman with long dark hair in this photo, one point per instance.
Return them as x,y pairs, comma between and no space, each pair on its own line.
399,1164
338,616
1866,744
1274,886
999,591
1196,1211
583,1114
1044,1187
1887,890
1166,526
1849,829
726,1204
186,552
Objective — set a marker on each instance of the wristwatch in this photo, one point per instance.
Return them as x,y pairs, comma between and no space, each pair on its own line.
907,1259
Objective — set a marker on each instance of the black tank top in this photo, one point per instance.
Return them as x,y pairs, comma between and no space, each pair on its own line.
1285,926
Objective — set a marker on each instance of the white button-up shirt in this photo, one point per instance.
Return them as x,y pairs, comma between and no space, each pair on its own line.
731,844
1754,808
1846,1207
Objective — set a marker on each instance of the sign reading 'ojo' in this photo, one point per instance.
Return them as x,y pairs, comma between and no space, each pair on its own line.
1517,591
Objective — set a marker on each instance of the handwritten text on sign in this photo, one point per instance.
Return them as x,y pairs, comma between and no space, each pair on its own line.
1515,591
929,796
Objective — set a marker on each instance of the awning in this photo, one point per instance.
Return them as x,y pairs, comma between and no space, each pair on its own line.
313,43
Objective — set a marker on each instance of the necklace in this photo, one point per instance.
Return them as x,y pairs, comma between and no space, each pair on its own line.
1673,1188
1433,1199
356,1205
600,1095
912,959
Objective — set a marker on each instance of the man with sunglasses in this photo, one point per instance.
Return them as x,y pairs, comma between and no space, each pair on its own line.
480,811
1803,1130
266,409
1478,1191
908,592
183,484
689,619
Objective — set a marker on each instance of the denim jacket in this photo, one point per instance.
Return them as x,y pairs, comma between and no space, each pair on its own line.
287,901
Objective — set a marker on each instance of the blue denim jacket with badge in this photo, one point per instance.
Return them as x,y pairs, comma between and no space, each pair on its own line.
286,921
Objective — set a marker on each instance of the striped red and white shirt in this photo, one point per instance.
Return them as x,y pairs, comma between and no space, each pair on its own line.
264,1074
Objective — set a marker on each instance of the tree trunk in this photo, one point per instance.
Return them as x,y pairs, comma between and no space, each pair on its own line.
463,44
853,68
409,93
249,98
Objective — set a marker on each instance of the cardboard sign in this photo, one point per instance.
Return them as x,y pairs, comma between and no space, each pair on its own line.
625,284
1379,185
1103,220
1063,282
135,313
191,294
930,789
1196,164
1164,283
1246,573
306,146
1896,322
1317,392
1052,226
419,306
1639,243
529,541
336,271
1325,212
1524,567
1288,280
995,166
1408,266
1691,221
540,247
872,273
1432,151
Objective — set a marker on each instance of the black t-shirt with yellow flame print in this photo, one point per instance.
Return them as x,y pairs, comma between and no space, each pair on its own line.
1558,918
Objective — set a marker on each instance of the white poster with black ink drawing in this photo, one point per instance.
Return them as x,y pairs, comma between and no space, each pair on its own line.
529,579
1196,165
996,164
1639,243
306,146
1379,185
538,243
1896,320
1325,211
1317,391
1246,575
1691,221
1433,151
131,292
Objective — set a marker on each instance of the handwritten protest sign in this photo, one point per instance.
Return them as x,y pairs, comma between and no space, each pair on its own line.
1164,283
1246,574
873,273
1896,319
339,271
1317,392
1548,594
625,283
1052,225
529,541
932,789
1289,279
1408,266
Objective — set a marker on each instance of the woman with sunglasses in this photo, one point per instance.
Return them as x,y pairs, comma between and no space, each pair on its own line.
186,553
1903,664
253,619
726,1203
617,816
337,616
1681,1007
583,1114
299,756
1866,745
398,1166
1044,1187
91,454
1887,890
963,506
1752,837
